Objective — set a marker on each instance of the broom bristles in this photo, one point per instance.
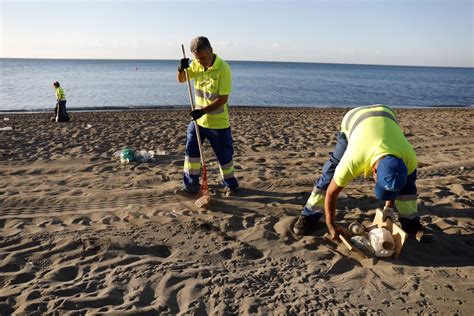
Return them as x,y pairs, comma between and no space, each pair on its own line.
204,199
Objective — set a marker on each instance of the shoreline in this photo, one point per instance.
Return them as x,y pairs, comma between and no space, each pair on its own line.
180,107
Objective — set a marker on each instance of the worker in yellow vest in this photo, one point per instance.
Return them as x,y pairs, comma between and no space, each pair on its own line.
370,143
212,87
60,113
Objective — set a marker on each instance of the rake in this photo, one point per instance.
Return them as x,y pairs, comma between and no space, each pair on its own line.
204,199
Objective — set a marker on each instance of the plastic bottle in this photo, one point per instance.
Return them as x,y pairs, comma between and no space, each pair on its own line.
363,244
127,155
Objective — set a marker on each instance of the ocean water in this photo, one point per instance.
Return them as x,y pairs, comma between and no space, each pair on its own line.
26,84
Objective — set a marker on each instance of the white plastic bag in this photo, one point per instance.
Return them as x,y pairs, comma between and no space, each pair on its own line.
382,242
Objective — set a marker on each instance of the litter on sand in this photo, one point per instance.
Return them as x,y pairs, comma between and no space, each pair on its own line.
383,239
127,155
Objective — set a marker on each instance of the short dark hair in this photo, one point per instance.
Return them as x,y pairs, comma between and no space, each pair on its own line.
56,84
200,43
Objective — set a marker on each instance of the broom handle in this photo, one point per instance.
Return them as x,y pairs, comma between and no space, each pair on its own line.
191,101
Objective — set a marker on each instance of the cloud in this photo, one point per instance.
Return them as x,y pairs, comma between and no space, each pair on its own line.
276,45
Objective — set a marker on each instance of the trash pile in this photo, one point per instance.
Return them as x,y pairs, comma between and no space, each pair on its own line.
127,155
384,238
377,242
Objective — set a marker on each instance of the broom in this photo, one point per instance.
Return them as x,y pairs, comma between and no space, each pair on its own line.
204,199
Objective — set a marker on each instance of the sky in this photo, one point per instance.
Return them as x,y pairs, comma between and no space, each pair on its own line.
386,32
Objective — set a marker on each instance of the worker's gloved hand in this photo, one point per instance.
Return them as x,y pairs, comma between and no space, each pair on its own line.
388,212
183,64
197,114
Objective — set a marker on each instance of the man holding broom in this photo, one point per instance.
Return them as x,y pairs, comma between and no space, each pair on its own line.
212,86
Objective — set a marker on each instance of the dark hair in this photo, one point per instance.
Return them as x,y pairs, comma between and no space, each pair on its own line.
200,43
56,84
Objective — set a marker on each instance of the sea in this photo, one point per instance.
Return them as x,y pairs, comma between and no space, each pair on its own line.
26,84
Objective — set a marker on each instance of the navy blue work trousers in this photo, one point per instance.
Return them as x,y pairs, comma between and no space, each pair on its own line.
222,144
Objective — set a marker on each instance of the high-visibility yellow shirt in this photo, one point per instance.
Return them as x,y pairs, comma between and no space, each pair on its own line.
209,85
60,95
372,132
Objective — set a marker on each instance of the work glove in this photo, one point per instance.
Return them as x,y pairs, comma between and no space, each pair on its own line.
197,114
388,212
183,64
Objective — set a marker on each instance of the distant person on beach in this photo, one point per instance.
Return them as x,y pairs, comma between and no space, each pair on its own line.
370,143
212,86
60,113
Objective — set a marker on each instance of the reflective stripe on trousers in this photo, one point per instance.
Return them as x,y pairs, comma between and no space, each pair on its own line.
221,143
192,165
407,206
316,201
227,170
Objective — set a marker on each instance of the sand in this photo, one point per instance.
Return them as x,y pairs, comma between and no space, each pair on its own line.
83,234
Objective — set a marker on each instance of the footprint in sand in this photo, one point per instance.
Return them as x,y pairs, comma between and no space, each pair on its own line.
249,253
22,278
161,251
109,219
82,220
64,274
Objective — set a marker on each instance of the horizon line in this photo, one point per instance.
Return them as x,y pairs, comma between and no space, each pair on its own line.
230,60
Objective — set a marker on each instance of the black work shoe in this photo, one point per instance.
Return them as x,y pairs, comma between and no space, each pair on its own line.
411,226
305,224
182,191
231,192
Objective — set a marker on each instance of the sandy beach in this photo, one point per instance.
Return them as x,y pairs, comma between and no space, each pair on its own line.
81,233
